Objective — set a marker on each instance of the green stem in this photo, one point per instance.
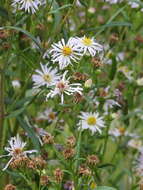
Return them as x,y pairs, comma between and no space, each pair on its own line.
1,106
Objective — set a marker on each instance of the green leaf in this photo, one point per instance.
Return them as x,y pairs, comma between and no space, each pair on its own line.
84,3
16,113
60,8
3,13
25,32
104,188
30,132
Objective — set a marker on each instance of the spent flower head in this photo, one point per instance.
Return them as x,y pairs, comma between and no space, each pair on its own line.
16,150
63,86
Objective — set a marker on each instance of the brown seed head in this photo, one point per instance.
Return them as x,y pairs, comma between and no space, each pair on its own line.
48,139
78,97
96,62
58,173
44,180
92,159
80,76
68,153
10,187
85,171
19,162
71,141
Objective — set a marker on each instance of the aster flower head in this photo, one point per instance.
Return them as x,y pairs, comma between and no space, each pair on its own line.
47,114
65,53
113,1
121,131
16,150
91,121
30,6
88,45
40,133
47,76
109,104
63,86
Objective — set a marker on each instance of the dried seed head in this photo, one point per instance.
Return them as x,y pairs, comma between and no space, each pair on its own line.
40,27
10,187
4,34
68,153
36,163
39,162
58,173
78,97
96,62
19,162
71,141
114,38
48,139
80,76
44,180
92,159
31,165
85,171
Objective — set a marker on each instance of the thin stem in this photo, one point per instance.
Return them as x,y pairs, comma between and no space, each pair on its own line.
1,106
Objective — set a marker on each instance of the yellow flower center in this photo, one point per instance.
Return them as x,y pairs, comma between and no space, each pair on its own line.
87,41
67,51
91,120
52,115
47,78
93,185
122,130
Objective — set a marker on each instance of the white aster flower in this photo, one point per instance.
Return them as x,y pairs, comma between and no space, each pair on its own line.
91,121
27,5
88,45
135,143
46,77
16,84
48,114
16,150
65,53
63,86
114,1
40,132
139,167
134,4
121,131
140,81
109,104
128,73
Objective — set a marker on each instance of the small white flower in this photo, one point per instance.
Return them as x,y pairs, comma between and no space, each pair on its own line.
16,150
47,76
40,132
64,87
134,4
140,81
28,5
16,84
64,53
135,143
109,104
139,167
121,131
91,121
128,73
48,114
113,1
88,45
